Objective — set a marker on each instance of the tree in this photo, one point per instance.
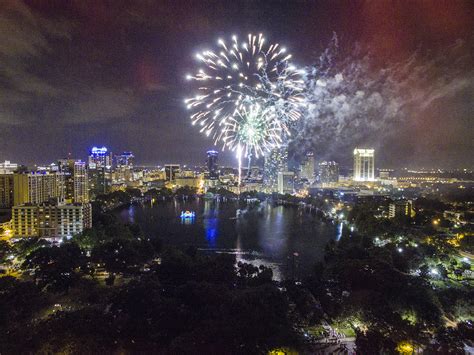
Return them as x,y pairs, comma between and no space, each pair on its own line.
5,250
56,268
122,255
27,245
18,301
447,341
250,275
186,191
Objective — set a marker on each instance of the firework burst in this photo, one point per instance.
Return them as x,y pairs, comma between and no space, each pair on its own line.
248,94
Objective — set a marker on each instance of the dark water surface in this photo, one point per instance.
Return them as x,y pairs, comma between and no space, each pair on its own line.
287,239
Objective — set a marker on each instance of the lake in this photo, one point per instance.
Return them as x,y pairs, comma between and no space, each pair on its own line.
285,238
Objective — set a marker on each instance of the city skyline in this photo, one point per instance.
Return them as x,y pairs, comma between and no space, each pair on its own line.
114,76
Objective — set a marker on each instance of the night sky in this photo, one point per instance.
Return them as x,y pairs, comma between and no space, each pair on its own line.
74,74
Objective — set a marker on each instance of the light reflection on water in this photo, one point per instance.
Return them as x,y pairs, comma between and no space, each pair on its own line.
285,239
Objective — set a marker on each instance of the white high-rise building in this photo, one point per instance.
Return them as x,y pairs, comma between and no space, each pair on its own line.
286,182
364,166
275,161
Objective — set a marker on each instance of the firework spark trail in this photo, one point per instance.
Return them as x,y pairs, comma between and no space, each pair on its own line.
248,95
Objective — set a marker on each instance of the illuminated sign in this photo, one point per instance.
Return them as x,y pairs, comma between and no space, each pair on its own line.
99,151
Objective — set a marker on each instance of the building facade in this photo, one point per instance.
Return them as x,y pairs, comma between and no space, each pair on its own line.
401,208
275,161
125,159
37,187
286,182
81,182
66,168
364,164
7,167
50,220
100,157
6,190
328,172
171,170
100,181
211,163
307,168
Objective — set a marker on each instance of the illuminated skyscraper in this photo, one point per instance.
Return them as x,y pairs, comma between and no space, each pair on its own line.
81,183
307,168
286,182
364,167
328,172
125,159
65,167
123,172
100,181
275,161
211,162
100,158
37,187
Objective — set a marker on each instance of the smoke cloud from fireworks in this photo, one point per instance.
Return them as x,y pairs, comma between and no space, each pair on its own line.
351,100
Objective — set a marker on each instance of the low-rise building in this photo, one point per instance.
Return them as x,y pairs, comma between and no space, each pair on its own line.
51,220
401,208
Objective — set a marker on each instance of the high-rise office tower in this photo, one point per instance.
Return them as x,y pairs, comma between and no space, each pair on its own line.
275,161
286,182
80,182
328,172
99,157
123,172
6,190
125,159
307,168
211,162
37,187
171,170
66,168
100,181
364,167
